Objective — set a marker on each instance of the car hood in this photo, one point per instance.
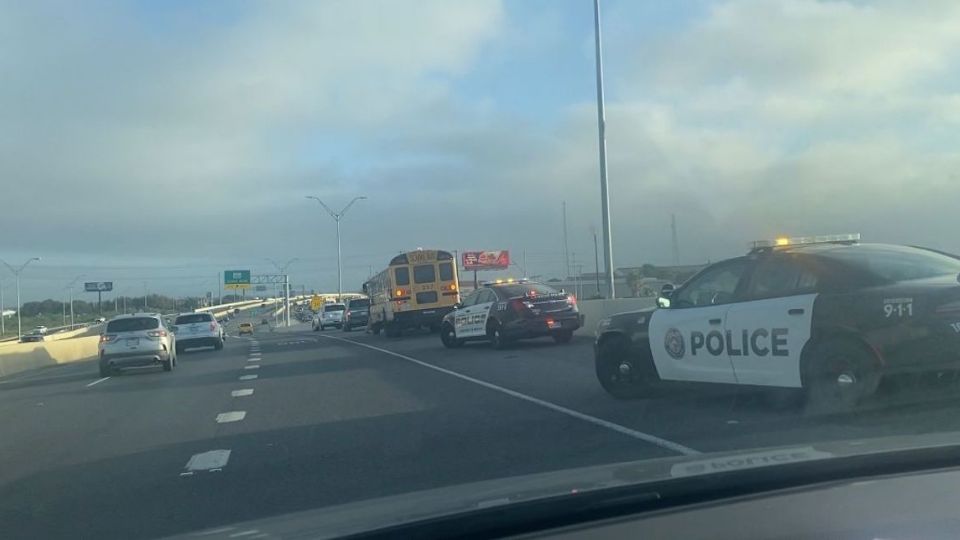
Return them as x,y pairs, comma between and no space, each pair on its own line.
372,514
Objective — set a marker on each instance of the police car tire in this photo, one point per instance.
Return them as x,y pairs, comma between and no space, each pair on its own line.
449,338
822,392
496,337
611,354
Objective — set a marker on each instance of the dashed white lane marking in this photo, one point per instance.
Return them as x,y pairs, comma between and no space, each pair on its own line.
232,416
248,377
253,359
252,366
242,392
254,353
646,437
212,461
98,381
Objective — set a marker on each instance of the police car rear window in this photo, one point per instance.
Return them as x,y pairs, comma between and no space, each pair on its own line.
896,263
523,289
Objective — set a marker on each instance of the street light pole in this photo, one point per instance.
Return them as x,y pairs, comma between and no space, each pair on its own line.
602,129
70,286
337,216
17,273
286,287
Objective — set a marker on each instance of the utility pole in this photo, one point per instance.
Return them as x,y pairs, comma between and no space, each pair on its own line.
566,248
144,296
602,135
596,260
676,243
3,328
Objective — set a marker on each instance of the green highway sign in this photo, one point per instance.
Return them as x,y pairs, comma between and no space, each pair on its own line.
236,279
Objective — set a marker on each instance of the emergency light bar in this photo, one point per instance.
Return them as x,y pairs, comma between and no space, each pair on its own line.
804,240
503,281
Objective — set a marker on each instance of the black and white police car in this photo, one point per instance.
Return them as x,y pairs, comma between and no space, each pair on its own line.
827,316
507,310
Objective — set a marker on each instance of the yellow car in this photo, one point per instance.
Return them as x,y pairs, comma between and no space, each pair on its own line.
246,328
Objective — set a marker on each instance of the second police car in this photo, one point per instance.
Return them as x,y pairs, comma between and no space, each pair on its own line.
826,316
507,310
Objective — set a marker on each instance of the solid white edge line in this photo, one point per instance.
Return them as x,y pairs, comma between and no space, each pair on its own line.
97,382
652,439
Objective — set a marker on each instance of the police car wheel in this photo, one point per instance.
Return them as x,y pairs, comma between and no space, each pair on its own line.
620,375
449,338
497,338
839,376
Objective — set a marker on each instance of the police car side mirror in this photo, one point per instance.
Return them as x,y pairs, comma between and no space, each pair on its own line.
458,305
667,290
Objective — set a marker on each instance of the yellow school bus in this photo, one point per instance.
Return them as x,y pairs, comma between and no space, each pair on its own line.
416,290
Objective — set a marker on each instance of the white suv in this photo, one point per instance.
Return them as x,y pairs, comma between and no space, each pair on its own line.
140,339
330,315
198,330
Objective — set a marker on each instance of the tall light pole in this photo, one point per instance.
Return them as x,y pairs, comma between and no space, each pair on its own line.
70,286
337,216
602,129
282,269
17,271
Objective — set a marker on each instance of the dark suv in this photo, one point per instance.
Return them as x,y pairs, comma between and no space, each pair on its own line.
356,314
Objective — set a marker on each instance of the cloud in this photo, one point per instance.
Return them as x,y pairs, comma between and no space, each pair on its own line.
744,119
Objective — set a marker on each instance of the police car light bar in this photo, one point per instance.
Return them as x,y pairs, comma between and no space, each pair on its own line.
803,240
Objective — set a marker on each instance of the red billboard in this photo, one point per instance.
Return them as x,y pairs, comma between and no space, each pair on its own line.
486,260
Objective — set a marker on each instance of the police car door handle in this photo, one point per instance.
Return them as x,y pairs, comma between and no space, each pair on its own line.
795,311
715,321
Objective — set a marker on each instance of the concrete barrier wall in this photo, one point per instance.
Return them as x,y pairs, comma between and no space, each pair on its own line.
595,310
25,356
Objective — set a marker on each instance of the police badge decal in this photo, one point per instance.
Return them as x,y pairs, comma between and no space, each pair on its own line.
673,343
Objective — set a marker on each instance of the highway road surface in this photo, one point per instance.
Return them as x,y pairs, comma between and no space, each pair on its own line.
292,419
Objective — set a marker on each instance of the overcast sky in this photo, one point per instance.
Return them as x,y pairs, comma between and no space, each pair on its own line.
166,141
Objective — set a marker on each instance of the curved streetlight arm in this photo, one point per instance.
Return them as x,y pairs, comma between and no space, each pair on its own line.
336,215
325,207
347,207
17,271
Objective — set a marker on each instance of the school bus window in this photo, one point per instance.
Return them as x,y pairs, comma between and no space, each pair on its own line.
403,276
424,273
446,271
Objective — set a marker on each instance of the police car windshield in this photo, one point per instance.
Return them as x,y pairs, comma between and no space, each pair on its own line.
525,289
896,263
